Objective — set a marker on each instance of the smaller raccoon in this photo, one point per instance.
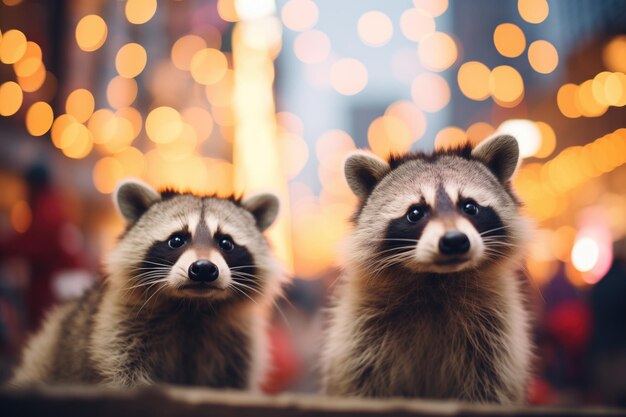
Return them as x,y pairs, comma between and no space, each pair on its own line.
189,287
431,303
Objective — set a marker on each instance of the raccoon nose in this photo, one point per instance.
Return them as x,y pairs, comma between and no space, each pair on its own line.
203,270
454,243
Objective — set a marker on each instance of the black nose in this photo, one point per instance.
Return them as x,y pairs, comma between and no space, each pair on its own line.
203,270
454,243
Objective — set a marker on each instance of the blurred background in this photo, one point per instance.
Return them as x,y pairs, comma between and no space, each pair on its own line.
238,96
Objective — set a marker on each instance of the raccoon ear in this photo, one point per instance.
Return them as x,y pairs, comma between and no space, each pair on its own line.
133,198
264,208
500,154
363,171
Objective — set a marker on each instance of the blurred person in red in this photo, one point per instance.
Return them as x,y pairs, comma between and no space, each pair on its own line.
42,247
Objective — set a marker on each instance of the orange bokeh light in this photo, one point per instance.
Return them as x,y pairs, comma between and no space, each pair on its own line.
473,79
131,60
80,104
184,49
11,97
614,54
506,84
39,118
389,135
543,56
30,62
449,137
208,66
140,11
566,100
121,92
479,131
13,46
411,115
91,32
533,11
509,40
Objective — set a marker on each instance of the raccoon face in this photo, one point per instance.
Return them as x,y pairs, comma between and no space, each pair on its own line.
444,212
186,246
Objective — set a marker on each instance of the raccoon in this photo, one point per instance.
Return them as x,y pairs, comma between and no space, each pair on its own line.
431,302
188,289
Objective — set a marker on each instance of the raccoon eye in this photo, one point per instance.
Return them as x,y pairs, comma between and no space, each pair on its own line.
470,209
415,214
226,244
176,241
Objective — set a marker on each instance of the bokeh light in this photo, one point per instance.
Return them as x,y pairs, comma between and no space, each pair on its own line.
614,54
34,81
543,56
299,15
30,62
430,92
91,32
121,92
585,254
375,28
39,118
410,115
548,140
11,97
226,10
348,76
312,47
131,60
80,103
140,11
450,137
509,40
200,119
533,11
416,23
479,131
164,124
526,132
437,51
389,135
12,46
566,100
184,49
506,85
208,66
21,216
434,7
473,79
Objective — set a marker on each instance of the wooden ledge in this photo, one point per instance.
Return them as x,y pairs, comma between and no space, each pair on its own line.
92,401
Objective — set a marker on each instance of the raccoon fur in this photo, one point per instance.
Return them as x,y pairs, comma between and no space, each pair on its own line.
431,302
188,290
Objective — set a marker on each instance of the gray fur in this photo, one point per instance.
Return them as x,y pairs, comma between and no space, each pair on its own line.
264,208
403,326
128,332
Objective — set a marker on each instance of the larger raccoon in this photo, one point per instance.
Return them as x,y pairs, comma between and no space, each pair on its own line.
185,301
431,303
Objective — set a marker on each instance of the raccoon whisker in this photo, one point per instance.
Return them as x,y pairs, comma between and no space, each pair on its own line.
240,291
394,239
158,263
244,275
241,284
145,284
493,230
149,298
234,268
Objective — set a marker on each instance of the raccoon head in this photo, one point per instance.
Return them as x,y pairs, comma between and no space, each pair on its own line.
442,212
184,246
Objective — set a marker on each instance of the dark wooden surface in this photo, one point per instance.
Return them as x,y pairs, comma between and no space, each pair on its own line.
174,401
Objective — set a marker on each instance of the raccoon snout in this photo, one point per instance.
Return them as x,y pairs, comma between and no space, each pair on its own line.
454,243
203,270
